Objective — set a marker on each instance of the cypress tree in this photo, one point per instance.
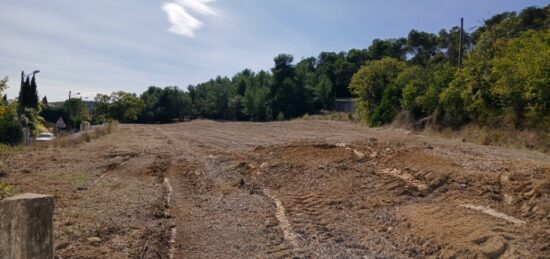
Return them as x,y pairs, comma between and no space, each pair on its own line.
24,101
22,92
33,94
45,100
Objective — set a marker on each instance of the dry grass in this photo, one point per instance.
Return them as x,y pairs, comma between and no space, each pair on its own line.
81,137
334,116
496,136
519,139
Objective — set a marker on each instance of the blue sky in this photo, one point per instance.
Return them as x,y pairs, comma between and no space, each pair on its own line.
105,45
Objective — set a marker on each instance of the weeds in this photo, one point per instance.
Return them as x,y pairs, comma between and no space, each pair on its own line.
85,136
6,190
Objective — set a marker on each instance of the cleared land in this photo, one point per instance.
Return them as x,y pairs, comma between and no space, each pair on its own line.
327,189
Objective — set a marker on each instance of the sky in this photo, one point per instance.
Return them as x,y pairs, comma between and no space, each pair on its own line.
102,46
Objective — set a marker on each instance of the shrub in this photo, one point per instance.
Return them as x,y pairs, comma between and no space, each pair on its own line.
378,94
11,132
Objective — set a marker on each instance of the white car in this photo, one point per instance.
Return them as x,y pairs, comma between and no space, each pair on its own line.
45,137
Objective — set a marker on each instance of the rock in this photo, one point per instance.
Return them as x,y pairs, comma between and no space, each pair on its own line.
508,199
94,240
494,247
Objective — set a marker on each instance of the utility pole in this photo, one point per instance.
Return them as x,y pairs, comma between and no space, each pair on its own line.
460,42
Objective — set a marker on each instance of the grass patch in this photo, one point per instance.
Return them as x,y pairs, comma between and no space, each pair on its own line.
6,150
6,190
334,116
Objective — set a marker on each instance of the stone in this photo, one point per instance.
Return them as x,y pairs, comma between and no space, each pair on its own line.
27,226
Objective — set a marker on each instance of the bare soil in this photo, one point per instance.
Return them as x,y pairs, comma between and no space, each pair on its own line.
306,189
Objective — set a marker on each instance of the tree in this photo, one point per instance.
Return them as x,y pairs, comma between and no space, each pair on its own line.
377,94
77,110
3,87
173,105
323,93
24,93
450,111
45,100
125,107
3,84
394,48
422,46
10,130
33,94
521,77
286,94
422,87
102,109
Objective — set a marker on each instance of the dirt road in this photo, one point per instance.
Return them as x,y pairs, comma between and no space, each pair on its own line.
307,189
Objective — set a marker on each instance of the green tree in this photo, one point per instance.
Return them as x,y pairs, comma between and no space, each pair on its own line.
173,105
521,77
33,94
286,93
125,107
24,93
323,93
422,46
394,48
77,110
378,95
102,109
422,87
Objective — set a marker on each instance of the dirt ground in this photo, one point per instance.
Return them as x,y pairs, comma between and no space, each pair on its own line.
298,189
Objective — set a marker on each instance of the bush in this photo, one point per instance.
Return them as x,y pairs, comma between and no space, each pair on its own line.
11,132
450,111
378,94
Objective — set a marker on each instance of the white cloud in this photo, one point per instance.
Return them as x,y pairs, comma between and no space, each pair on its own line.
182,22
199,6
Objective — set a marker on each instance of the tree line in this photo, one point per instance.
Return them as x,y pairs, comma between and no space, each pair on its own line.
503,81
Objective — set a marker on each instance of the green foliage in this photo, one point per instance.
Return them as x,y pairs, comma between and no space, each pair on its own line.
77,112
3,84
102,108
422,45
521,77
28,94
6,190
422,87
323,93
53,113
173,104
450,110
286,93
377,91
125,107
11,132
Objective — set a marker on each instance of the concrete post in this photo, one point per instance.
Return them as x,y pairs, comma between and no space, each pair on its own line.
27,226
